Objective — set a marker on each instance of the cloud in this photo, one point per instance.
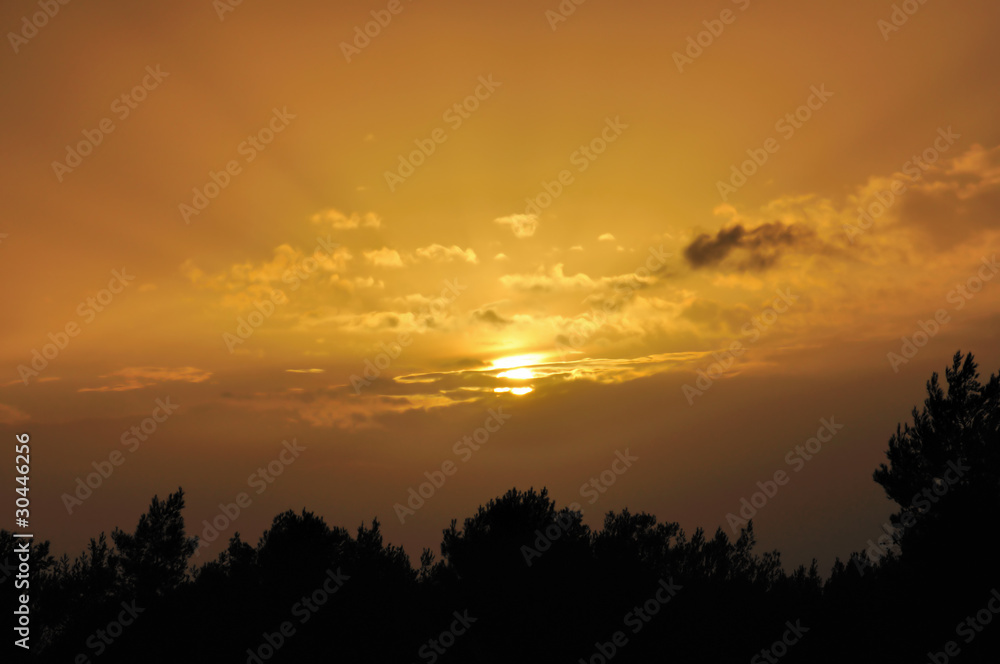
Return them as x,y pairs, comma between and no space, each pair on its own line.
135,378
953,200
491,317
339,221
337,406
306,371
256,278
555,279
384,257
438,252
500,257
615,292
11,414
715,317
606,237
933,209
40,379
523,225
551,371
365,412
763,245
425,314
357,283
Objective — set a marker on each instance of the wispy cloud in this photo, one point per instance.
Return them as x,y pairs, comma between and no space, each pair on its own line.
439,252
522,225
12,414
135,378
339,221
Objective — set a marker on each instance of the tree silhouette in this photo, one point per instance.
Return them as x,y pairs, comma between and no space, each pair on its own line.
944,474
944,469
153,560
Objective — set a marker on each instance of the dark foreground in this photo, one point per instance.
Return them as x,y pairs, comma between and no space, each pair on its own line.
523,581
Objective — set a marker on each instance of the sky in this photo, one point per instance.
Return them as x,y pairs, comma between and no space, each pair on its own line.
637,253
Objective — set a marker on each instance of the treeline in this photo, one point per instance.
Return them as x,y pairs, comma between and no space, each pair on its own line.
523,580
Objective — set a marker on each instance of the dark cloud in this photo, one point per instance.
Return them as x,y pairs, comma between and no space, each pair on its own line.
491,317
763,245
716,317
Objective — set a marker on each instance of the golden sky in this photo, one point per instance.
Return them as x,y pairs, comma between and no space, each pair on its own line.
594,195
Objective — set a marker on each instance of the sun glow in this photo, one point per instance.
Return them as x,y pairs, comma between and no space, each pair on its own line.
517,361
515,390
517,374
517,369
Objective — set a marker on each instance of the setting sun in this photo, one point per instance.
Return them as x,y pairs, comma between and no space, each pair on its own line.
517,374
518,391
517,361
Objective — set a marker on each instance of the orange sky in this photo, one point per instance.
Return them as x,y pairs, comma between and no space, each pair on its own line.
644,259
